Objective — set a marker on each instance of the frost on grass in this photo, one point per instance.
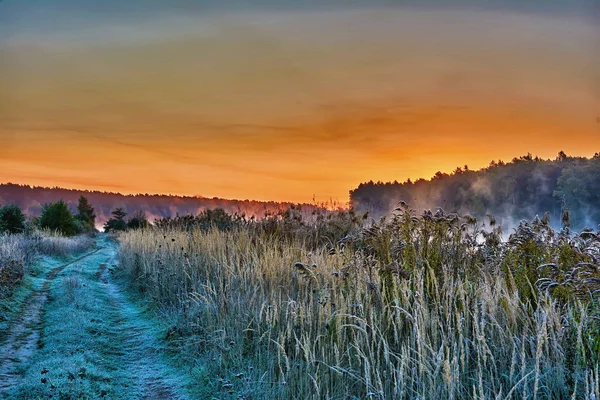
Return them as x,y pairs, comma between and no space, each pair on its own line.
415,306
18,253
95,343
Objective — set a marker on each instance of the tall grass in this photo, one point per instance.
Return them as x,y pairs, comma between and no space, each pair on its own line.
19,251
414,307
57,245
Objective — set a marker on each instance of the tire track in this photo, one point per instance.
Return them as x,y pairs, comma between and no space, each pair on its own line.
20,342
139,348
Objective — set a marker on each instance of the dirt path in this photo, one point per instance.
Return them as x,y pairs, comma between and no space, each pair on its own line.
141,357
21,340
80,337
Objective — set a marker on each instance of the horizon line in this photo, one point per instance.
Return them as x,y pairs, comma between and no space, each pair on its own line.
330,202
173,195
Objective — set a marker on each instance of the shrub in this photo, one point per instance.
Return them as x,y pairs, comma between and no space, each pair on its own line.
205,220
117,222
11,272
139,220
15,251
12,219
57,217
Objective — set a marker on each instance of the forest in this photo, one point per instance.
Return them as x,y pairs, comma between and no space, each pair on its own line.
31,200
521,189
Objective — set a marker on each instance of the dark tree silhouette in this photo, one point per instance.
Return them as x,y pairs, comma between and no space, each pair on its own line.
12,219
58,217
117,222
86,214
519,190
31,198
138,220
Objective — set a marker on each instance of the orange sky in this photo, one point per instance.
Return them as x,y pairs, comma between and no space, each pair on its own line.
287,105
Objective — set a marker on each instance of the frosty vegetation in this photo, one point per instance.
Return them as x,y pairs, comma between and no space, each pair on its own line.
425,305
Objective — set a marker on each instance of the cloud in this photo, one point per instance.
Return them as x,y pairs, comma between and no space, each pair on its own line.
292,103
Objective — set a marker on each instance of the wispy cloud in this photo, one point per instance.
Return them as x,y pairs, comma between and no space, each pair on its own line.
289,104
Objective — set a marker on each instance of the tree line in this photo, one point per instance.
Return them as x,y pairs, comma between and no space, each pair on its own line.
58,217
31,198
514,191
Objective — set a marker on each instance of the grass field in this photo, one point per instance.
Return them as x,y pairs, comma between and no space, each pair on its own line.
417,306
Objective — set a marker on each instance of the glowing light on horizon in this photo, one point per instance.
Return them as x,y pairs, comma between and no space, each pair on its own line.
291,105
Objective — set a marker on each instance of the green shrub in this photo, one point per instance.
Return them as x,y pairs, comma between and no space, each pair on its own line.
139,220
57,217
12,219
117,222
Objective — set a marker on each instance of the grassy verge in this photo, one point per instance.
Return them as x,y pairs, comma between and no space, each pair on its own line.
24,259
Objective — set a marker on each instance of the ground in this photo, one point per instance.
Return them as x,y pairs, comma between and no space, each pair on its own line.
74,332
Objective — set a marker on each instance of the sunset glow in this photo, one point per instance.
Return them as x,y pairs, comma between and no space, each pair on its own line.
287,105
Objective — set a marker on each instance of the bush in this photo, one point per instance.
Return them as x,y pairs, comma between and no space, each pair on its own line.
139,220
11,273
12,219
117,222
57,217
15,252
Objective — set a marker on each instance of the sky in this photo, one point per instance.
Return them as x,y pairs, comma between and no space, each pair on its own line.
288,101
